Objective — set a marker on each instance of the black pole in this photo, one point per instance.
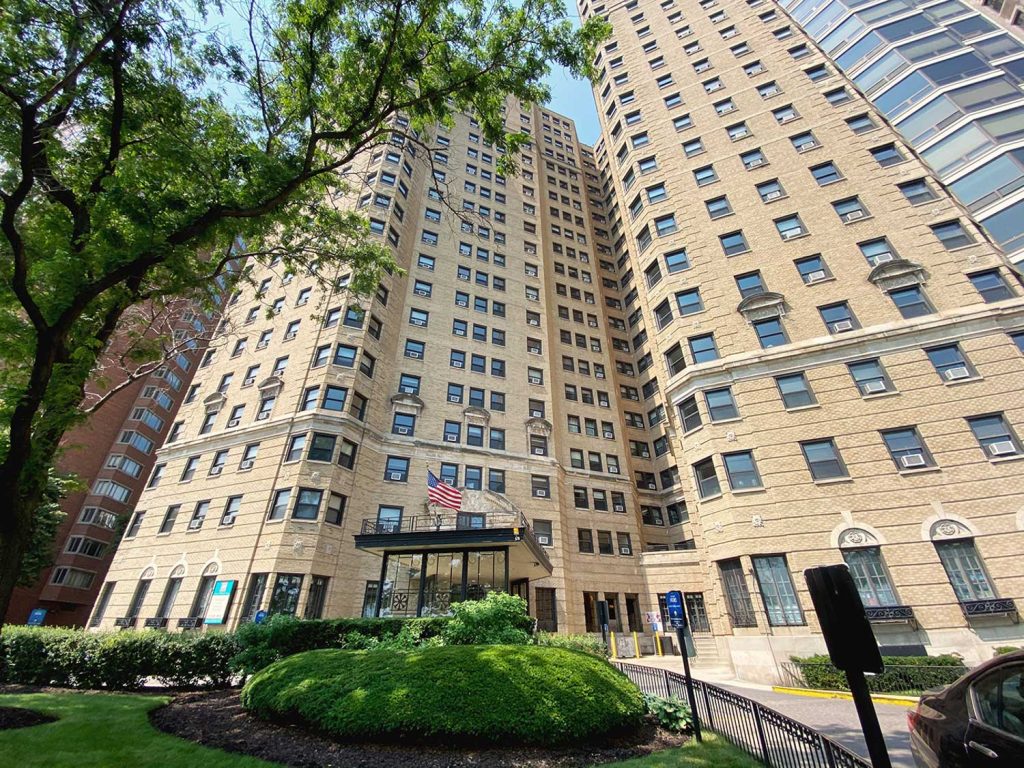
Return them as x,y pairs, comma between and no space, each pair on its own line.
681,637
868,720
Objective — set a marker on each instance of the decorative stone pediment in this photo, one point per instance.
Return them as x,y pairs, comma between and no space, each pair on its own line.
214,402
405,400
761,306
479,416
270,386
538,426
485,501
949,529
857,537
898,273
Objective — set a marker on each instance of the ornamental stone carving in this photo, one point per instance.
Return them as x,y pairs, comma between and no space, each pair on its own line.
477,416
405,400
898,273
762,306
213,403
537,426
857,537
270,386
949,529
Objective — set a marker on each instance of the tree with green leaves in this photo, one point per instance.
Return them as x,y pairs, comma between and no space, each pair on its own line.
140,148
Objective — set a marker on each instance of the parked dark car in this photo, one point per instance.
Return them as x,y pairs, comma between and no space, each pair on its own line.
976,722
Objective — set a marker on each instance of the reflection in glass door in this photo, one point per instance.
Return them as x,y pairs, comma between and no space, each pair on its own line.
401,590
443,585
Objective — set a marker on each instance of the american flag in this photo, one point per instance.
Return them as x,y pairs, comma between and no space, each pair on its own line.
442,493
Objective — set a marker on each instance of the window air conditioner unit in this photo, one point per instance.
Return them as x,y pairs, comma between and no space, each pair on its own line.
452,438
1002,448
775,194
413,353
418,321
262,345
789,234
246,464
652,487
912,460
542,493
816,276
395,476
872,387
960,372
401,430
263,416
457,364
755,162
421,292
613,470
233,422
625,551
216,470
277,310
534,321
249,381
619,508
461,303
290,335
460,332
881,258
538,451
787,118
536,415
195,524
599,375
454,399
534,380
228,521
842,325
543,539
609,435
853,216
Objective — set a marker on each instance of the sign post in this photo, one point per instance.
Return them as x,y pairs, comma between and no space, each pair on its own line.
677,618
851,645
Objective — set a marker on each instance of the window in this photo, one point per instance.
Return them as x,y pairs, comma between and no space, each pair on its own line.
795,390
733,243
703,348
689,414
705,175
689,302
718,207
540,486
279,505
917,191
741,470
994,435
991,285
850,210
307,504
870,576
321,448
770,332
952,235
887,154
753,159
838,318
907,449
770,191
777,591
965,571
676,261
861,124
877,251
334,398
826,173
721,405
804,142
837,96
870,377
737,595
585,538
285,597
396,469
674,360
950,363
707,478
911,302
823,459
790,227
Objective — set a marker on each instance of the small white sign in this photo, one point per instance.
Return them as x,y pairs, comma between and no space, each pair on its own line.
217,610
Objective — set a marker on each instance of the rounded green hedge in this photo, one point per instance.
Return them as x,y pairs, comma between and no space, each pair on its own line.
470,694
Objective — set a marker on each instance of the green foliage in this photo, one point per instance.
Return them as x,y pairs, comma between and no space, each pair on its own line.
45,522
903,674
586,643
466,694
280,636
119,661
498,619
671,713
1002,650
713,752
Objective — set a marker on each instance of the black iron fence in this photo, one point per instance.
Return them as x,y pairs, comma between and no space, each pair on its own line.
771,737
447,520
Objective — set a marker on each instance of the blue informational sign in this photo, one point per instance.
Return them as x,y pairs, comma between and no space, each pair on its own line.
260,617
37,617
674,605
217,608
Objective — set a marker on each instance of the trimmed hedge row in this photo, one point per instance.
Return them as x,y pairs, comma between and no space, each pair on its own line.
466,694
902,673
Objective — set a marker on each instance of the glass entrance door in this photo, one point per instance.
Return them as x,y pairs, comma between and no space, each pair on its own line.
697,612
443,585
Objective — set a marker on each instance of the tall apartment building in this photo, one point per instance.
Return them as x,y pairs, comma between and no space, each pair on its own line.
750,332
111,455
830,344
1012,11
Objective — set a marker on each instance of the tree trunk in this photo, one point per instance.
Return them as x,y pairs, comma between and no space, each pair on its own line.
14,538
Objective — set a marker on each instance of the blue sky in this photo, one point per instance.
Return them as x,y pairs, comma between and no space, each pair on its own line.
572,97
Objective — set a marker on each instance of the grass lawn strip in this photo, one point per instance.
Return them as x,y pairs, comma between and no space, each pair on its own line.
715,752
101,730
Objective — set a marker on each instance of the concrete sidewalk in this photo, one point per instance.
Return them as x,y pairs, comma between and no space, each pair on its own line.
836,718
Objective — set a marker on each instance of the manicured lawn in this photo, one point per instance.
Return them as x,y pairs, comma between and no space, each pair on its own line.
104,730
715,752
100,730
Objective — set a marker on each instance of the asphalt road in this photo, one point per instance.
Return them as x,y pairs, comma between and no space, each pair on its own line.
837,719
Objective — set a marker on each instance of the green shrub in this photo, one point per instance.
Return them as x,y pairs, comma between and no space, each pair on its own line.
671,713
1002,650
469,694
586,643
498,619
902,673
280,636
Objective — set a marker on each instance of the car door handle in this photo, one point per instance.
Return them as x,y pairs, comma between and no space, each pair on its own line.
983,749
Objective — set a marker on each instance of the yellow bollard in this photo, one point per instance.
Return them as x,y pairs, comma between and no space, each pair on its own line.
615,652
657,644
636,645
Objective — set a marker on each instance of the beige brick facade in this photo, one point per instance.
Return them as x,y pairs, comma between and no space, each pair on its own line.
592,389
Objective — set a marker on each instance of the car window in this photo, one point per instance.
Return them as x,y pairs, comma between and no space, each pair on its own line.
999,700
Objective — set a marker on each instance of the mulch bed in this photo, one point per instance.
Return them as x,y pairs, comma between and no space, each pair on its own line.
16,717
217,719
